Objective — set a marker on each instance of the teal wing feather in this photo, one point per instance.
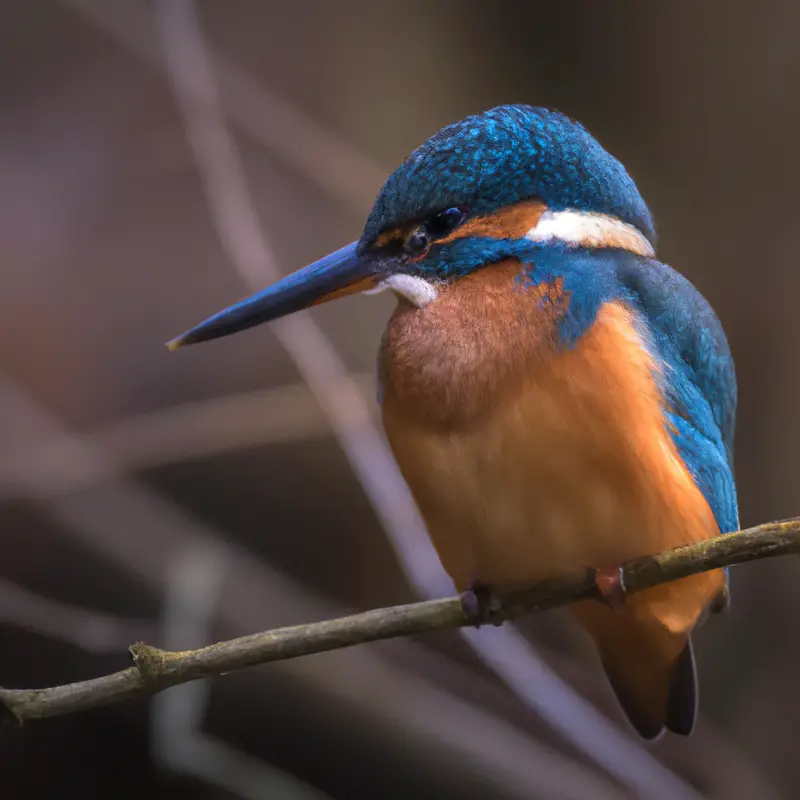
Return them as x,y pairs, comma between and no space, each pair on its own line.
698,375
699,380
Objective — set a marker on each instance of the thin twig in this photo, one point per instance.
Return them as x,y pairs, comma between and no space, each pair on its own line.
156,669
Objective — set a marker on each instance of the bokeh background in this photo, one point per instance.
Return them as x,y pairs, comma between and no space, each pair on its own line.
160,159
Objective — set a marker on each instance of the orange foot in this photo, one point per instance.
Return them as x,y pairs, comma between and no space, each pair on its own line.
610,582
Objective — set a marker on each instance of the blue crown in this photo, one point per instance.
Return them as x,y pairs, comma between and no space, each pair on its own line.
501,157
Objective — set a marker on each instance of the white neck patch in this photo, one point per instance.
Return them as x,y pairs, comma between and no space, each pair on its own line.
589,229
415,289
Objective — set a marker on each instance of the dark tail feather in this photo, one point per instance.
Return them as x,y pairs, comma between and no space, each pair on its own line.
682,703
653,694
651,670
647,720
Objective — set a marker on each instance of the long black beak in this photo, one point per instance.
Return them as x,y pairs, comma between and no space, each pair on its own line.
337,275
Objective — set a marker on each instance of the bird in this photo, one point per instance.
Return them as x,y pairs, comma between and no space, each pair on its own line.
555,397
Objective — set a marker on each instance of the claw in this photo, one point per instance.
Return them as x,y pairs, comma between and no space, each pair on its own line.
610,582
480,606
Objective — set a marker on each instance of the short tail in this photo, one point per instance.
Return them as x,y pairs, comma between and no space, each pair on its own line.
651,670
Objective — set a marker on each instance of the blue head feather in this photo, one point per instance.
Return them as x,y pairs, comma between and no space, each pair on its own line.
503,156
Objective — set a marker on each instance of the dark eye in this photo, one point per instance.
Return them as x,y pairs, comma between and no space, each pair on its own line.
417,242
444,222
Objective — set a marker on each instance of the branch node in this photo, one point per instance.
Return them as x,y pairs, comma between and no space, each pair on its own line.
149,661
8,716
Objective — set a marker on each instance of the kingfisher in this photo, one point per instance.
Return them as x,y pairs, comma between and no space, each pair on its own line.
556,397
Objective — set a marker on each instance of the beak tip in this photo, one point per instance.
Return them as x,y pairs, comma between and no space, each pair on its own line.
175,344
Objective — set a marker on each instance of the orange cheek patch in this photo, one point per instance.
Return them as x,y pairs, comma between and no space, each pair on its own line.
511,222
393,236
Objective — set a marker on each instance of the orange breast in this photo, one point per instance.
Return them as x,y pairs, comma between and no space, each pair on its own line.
527,458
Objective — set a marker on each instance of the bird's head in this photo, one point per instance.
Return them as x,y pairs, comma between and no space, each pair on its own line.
475,193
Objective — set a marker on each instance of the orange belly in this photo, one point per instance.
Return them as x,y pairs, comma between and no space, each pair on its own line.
570,466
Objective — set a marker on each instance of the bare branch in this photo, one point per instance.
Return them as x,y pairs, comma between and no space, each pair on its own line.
156,669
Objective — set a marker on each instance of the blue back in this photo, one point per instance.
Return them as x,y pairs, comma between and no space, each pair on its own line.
700,383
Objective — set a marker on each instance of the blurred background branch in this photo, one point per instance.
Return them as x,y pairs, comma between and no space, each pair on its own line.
183,432
80,627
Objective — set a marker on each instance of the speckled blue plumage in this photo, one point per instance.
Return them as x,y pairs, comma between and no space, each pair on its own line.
505,155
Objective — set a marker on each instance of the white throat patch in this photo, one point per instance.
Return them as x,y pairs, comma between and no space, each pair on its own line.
415,289
589,229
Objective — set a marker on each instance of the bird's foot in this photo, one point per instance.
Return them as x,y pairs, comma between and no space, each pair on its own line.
480,606
610,582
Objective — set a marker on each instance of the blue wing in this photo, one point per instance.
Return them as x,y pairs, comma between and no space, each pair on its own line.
699,379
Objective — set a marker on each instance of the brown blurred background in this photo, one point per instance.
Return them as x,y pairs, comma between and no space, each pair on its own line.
187,498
